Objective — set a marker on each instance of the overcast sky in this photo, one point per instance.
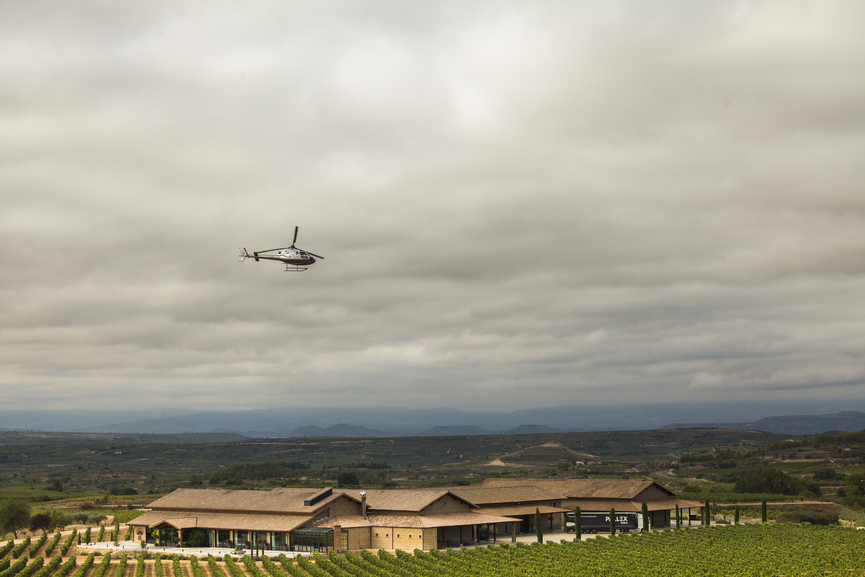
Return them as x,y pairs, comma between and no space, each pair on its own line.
520,204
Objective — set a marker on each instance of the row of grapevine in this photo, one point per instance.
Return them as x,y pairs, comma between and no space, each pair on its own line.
252,568
103,566
232,567
214,568
37,545
65,568
48,569
740,550
291,568
121,566
67,544
85,567
15,567
7,548
31,568
53,544
20,547
197,571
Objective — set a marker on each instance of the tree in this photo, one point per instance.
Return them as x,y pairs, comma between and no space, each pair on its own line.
539,529
736,515
612,522
40,521
347,479
678,517
765,512
59,521
646,516
767,481
706,513
14,516
578,524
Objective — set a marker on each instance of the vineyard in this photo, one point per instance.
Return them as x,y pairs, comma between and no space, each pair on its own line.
740,550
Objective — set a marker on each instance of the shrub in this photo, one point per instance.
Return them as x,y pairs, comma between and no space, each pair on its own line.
808,516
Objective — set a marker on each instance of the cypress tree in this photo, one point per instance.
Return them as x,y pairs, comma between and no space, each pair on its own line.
612,522
736,515
539,530
645,517
706,513
578,524
765,512
678,518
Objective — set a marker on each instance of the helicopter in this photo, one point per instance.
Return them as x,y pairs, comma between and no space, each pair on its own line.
295,259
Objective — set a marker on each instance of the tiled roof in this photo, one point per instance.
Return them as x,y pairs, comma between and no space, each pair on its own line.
584,488
400,499
210,520
483,495
224,500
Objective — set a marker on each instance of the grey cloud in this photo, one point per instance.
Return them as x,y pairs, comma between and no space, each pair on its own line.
518,205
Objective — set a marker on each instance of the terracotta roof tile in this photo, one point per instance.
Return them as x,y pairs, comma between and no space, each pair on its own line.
221,500
210,520
584,488
482,495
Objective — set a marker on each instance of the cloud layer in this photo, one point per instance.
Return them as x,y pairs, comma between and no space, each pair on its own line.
519,205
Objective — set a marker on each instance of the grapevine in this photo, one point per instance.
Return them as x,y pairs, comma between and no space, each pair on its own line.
292,569
38,545
735,550
19,548
64,548
5,549
88,562
53,544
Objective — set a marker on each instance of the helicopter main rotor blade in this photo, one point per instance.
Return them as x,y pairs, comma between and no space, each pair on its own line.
315,255
295,236
273,249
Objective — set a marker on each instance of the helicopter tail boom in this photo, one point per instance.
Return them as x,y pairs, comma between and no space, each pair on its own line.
245,255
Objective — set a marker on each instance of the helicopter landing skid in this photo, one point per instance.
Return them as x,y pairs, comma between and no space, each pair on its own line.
296,268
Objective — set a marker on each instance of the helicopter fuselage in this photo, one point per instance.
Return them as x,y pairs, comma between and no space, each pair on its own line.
294,257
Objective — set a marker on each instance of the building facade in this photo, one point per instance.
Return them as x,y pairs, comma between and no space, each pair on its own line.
408,519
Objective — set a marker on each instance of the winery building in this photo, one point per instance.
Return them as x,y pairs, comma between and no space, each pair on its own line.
349,519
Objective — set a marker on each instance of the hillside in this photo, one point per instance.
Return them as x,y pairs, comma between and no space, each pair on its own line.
844,421
553,452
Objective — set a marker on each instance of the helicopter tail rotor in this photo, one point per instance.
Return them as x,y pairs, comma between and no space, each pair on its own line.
245,255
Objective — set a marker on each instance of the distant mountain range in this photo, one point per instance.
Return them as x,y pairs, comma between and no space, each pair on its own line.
793,424
404,422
